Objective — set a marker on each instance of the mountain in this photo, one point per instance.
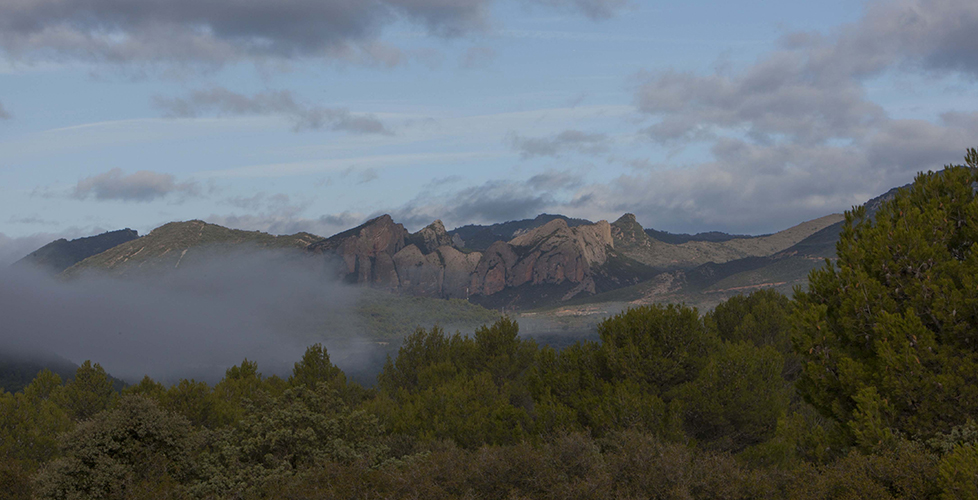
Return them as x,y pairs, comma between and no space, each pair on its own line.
634,242
679,238
170,245
61,254
477,237
547,263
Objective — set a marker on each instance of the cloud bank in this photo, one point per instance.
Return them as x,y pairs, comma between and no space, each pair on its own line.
141,186
215,32
795,134
196,321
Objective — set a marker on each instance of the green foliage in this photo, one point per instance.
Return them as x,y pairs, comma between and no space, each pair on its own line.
119,453
737,398
897,313
281,436
31,421
761,318
87,394
658,347
469,389
959,474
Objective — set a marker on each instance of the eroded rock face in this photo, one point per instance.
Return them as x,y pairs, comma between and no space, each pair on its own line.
431,237
382,253
367,251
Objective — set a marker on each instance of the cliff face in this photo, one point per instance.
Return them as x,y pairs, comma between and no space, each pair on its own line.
367,251
382,253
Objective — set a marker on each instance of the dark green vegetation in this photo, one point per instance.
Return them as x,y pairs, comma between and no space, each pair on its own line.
61,254
863,386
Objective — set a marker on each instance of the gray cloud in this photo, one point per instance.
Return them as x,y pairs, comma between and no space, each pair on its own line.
574,140
4,115
196,322
554,180
491,202
594,9
795,135
368,175
228,103
140,186
214,32
477,57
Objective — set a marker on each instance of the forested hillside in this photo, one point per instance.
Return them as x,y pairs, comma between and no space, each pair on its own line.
865,385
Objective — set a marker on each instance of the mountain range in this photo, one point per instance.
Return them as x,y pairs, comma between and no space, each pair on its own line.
547,261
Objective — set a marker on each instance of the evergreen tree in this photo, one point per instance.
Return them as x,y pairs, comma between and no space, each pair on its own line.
889,333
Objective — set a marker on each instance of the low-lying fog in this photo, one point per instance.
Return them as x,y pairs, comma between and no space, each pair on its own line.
196,321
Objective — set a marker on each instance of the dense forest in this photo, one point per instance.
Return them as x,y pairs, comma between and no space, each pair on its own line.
863,385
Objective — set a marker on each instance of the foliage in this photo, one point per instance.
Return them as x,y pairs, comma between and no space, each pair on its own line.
887,333
87,394
658,347
737,398
124,450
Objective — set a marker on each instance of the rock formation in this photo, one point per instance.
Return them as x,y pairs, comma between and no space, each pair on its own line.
382,253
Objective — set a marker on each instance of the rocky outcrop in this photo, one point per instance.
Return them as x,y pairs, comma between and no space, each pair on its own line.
367,251
431,237
382,253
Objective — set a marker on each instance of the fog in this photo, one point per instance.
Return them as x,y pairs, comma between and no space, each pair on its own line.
193,322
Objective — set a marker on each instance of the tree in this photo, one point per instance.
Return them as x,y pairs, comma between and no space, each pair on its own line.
132,448
87,394
889,333
658,347
737,398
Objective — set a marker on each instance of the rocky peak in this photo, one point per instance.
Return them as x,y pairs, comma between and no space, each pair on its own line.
366,250
431,237
628,232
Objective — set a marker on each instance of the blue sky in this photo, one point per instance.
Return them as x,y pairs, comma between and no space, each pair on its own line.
314,115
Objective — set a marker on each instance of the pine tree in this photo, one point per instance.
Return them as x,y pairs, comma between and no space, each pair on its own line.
889,333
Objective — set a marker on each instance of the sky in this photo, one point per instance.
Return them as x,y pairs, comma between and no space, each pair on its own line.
316,115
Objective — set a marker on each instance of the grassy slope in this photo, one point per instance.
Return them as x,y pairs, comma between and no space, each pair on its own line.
167,246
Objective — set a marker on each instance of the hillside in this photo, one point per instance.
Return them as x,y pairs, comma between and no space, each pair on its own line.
61,254
170,245
480,237
634,242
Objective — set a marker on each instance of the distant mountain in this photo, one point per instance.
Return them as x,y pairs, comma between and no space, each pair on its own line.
61,254
477,237
634,242
176,243
680,238
545,264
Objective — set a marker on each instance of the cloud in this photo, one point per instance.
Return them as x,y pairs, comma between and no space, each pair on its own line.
477,57
595,9
141,186
197,321
490,202
368,175
795,134
4,115
227,103
553,180
215,32
575,140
